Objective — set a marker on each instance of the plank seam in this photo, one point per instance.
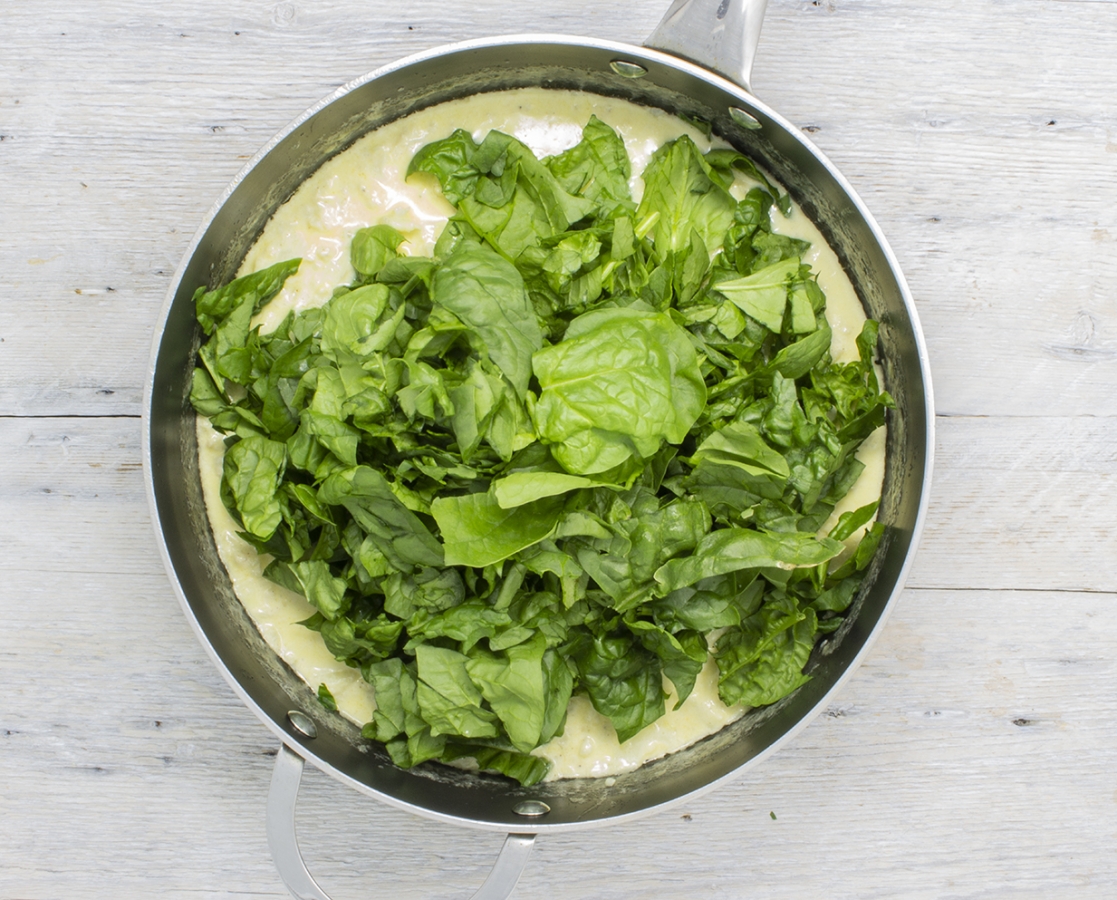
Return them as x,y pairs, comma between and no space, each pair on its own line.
1010,590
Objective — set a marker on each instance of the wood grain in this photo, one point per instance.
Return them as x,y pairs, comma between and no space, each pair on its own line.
1020,315
987,769
971,756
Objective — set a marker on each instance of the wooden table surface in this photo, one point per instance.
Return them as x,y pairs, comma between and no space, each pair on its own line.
973,755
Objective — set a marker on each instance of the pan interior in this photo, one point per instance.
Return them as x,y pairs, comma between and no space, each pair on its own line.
266,684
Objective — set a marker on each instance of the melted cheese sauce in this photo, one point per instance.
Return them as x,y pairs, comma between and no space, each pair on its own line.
365,186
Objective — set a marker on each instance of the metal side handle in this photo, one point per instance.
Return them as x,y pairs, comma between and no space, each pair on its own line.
284,844
719,34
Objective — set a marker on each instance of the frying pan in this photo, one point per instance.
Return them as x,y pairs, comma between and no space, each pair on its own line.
696,64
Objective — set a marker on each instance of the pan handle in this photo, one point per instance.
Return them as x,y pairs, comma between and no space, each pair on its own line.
719,34
288,858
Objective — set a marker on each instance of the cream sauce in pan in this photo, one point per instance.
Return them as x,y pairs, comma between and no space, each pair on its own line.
365,185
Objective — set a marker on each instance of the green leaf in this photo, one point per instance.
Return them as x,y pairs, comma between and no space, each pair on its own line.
619,383
680,185
512,682
773,248
527,487
505,194
683,654
524,768
352,321
206,399
558,684
396,531
849,522
718,602
487,294
231,355
763,294
623,682
796,360
373,248
863,555
730,549
467,623
326,698
802,318
397,720
253,470
248,292
334,434
476,531
762,661
315,581
740,444
450,161
395,699
660,534
837,598
596,168
361,640
449,701
428,589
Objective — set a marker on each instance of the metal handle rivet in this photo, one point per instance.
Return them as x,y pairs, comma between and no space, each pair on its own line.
744,118
302,723
531,808
627,69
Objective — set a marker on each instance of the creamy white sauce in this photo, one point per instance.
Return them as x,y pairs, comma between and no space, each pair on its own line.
364,186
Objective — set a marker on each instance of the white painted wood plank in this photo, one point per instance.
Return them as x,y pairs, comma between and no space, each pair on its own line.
1022,503
1005,225
991,169
921,745
971,756
1017,504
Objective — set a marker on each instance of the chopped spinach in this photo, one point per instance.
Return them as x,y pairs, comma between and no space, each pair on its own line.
584,447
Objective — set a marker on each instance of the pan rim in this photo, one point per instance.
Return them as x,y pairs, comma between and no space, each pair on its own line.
304,748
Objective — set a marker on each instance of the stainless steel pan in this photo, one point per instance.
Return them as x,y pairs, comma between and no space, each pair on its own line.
696,64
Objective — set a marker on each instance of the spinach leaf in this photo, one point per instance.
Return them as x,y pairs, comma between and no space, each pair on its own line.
314,580
731,549
477,532
519,488
741,444
713,603
683,189
428,589
596,168
683,654
622,680
487,294
763,294
797,359
326,698
364,641
522,767
253,471
352,320
398,719
248,292
513,684
373,248
448,699
849,522
395,531
450,160
619,383
762,660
